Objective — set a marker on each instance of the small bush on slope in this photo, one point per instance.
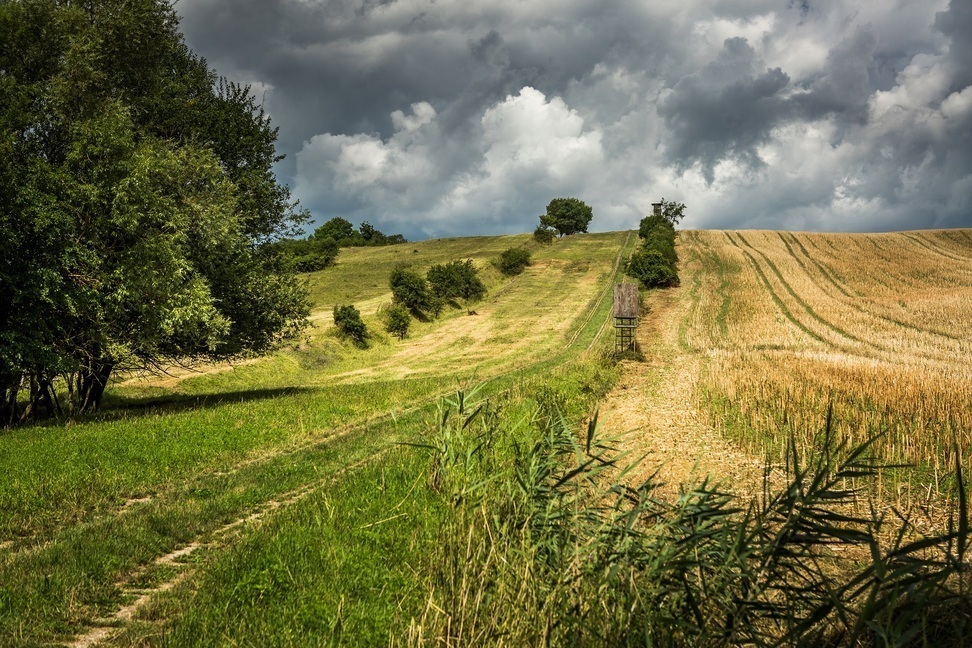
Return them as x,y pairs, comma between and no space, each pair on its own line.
513,261
398,321
348,321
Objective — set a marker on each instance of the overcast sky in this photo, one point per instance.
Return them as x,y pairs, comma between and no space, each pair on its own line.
454,117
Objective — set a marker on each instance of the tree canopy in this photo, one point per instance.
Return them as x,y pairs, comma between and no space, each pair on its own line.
567,216
655,262
456,280
671,211
343,233
139,204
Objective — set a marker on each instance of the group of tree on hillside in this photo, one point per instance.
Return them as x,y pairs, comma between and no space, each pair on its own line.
655,262
416,295
425,296
139,205
320,249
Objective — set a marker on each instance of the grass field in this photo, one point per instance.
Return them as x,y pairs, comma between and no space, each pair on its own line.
442,489
93,512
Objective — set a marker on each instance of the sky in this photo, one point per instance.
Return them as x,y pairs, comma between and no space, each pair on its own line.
437,118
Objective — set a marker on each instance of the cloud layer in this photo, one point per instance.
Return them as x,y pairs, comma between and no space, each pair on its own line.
444,117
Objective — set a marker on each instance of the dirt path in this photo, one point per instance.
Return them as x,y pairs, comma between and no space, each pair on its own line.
654,405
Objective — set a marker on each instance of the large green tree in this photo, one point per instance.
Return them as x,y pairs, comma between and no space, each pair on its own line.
137,204
567,216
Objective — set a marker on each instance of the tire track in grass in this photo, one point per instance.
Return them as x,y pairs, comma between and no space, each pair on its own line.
854,299
802,302
925,244
959,240
775,297
15,549
816,264
102,629
600,298
889,351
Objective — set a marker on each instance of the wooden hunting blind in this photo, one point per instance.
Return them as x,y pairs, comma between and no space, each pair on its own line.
625,315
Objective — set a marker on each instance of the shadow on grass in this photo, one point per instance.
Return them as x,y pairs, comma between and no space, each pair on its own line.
117,407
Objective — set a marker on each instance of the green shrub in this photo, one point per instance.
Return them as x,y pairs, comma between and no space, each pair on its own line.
455,280
411,290
513,261
651,267
545,235
398,321
309,255
348,321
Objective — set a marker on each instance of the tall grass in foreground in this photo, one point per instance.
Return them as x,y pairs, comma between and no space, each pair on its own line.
547,545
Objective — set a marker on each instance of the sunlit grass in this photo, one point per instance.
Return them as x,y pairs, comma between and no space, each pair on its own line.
171,459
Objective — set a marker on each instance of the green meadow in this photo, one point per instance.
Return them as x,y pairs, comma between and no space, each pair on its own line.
89,507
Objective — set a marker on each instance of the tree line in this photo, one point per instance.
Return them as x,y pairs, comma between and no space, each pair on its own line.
655,263
320,249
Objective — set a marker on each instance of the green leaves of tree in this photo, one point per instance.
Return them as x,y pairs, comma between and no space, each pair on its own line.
139,200
567,216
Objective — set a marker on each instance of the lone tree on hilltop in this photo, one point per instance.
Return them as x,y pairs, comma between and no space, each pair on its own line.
567,216
139,205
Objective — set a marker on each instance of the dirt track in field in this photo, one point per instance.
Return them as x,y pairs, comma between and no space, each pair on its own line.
653,404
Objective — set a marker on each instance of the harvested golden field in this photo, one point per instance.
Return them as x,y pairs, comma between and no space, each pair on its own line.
876,326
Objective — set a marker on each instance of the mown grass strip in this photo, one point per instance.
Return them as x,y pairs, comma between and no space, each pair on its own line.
55,476
349,564
50,592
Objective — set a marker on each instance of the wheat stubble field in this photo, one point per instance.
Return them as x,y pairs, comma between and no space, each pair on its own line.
876,326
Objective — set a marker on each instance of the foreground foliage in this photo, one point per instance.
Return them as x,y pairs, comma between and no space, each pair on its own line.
550,546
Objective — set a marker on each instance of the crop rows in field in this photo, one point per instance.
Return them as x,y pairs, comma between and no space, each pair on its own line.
878,326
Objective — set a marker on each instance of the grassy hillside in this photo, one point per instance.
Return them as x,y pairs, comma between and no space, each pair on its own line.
91,512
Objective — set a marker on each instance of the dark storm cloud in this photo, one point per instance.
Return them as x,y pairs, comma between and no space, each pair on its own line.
447,116
844,85
956,23
726,110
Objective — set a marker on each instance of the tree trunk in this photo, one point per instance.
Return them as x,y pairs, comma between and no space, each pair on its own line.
9,414
91,381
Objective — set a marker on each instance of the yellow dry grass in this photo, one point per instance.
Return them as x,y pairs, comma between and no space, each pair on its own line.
878,326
